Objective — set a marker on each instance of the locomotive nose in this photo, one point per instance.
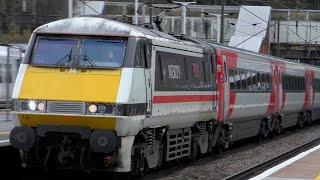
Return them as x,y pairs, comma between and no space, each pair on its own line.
22,138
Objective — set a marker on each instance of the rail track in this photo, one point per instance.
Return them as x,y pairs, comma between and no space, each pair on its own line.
171,169
259,168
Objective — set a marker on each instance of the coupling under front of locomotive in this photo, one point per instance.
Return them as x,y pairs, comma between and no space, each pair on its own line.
71,106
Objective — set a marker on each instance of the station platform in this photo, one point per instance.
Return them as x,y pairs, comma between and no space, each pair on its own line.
304,166
5,127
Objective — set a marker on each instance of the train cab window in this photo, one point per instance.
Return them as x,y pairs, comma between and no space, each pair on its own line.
141,56
83,51
232,79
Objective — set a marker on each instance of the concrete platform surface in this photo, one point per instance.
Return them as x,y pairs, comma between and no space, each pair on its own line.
5,127
304,166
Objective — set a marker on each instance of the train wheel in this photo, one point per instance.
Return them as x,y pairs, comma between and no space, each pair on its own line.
278,126
300,121
194,155
307,118
138,163
263,130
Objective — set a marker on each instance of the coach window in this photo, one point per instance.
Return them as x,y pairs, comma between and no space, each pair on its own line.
237,79
285,82
283,79
268,83
302,83
296,83
263,82
254,82
243,81
293,83
232,79
299,84
249,81
259,81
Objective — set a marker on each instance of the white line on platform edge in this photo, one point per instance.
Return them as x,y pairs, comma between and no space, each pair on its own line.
284,164
4,141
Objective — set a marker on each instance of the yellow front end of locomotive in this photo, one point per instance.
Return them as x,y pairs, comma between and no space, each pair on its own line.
68,85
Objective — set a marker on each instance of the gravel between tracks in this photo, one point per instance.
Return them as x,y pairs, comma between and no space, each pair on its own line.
244,156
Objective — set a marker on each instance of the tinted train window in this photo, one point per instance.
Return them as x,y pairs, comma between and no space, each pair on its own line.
78,51
243,80
175,72
246,81
232,79
293,83
316,85
237,79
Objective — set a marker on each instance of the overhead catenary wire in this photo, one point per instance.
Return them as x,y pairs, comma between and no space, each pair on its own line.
90,7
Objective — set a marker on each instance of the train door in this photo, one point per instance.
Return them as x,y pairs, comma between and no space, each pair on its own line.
276,91
223,93
214,83
225,87
309,94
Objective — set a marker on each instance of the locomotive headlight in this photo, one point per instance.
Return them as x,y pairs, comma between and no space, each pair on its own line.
92,108
32,105
101,108
41,106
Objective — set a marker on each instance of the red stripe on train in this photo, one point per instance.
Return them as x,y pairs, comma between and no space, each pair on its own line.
183,98
232,103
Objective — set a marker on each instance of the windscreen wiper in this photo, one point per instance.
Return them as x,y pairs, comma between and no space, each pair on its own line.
88,60
64,59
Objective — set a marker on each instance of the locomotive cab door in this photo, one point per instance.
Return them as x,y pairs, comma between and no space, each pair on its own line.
143,62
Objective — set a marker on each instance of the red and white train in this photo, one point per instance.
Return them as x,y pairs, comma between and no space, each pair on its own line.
156,99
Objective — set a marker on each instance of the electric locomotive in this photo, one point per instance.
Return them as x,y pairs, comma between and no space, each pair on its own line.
96,94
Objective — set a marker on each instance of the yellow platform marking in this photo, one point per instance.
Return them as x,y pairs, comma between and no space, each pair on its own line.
4,134
63,84
317,177
56,120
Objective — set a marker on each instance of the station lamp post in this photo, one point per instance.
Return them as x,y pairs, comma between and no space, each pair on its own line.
184,6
